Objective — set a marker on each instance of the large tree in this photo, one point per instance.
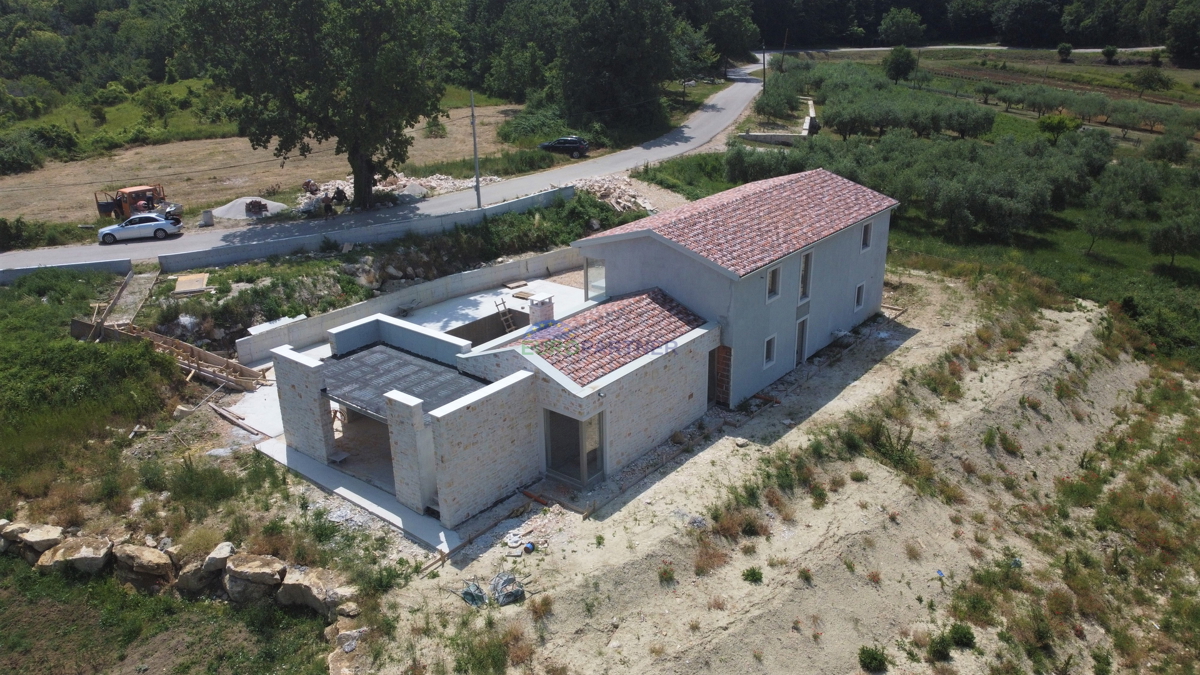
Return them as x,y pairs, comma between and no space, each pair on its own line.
899,63
1183,32
358,71
615,59
901,27
733,32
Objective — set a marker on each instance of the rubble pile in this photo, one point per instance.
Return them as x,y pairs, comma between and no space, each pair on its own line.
401,184
616,191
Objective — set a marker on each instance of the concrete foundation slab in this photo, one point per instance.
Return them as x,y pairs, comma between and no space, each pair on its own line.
419,528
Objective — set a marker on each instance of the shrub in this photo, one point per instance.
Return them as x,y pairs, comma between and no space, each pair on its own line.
752,575
875,577
20,151
961,635
666,573
805,575
153,475
872,659
939,647
858,476
709,556
540,607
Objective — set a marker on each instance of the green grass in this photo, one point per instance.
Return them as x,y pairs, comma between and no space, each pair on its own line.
182,125
54,624
1011,125
504,164
57,392
458,97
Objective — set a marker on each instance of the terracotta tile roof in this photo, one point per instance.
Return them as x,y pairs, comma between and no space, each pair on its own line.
597,341
758,223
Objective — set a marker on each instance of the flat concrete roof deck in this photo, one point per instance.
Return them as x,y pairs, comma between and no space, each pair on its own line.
455,312
361,378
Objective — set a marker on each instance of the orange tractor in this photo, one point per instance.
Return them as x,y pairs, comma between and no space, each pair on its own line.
132,201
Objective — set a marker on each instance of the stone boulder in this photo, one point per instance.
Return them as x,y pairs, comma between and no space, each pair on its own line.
85,554
194,579
249,578
215,562
13,531
145,568
42,537
318,589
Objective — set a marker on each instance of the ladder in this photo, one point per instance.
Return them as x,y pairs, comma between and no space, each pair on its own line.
505,316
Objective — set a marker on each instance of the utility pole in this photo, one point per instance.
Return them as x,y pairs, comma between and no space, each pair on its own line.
475,145
764,68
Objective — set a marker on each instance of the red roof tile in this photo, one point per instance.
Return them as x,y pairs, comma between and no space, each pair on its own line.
597,341
758,223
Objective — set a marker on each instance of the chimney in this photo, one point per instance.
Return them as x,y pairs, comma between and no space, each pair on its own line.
541,309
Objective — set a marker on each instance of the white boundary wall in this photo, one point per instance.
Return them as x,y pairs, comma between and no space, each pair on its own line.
229,255
256,348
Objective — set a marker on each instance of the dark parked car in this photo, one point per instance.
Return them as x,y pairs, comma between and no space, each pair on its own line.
574,146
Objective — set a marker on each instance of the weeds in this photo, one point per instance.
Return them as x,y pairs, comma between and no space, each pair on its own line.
752,575
872,659
709,556
666,573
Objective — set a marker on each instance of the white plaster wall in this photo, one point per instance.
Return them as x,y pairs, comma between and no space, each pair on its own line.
637,264
487,445
839,265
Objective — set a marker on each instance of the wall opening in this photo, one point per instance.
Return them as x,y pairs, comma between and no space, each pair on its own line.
593,278
575,448
801,340
489,327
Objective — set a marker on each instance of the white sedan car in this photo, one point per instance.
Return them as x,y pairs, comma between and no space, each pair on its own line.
144,225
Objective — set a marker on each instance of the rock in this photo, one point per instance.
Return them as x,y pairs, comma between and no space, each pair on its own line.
215,562
393,272
416,190
392,285
85,554
142,567
165,543
3,523
257,569
409,273
42,537
151,542
13,531
29,553
4,544
348,609
343,624
193,578
348,641
241,591
173,553
319,589
741,442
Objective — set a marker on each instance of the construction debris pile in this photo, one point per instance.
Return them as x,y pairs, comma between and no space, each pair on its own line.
616,191
400,184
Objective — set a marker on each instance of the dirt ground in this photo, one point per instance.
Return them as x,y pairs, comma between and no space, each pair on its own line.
610,612
213,172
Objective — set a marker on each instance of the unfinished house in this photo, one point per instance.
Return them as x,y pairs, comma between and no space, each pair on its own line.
704,304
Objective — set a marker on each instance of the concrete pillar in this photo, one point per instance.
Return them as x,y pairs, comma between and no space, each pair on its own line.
413,470
307,416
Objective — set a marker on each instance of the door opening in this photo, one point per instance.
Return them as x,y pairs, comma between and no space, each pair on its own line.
574,448
801,340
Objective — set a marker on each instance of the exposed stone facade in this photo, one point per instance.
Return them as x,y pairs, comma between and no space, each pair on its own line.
307,417
487,445
411,441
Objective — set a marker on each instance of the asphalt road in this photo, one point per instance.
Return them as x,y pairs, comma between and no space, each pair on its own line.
717,113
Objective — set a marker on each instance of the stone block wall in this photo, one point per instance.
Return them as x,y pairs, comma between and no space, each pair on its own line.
307,417
487,445
724,373
643,408
412,451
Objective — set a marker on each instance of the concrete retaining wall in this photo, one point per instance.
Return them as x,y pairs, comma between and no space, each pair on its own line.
229,255
115,266
256,348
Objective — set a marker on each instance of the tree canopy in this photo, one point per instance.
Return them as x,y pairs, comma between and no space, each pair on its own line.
899,63
901,26
360,72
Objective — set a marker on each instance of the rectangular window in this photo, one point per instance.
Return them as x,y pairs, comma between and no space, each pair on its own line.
866,236
860,295
593,278
773,283
769,352
805,271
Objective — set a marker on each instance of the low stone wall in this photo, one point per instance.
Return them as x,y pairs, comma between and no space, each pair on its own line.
229,255
256,348
115,266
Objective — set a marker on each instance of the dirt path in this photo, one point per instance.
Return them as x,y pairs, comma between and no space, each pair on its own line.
213,172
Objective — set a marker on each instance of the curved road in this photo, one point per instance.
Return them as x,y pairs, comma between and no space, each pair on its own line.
717,113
